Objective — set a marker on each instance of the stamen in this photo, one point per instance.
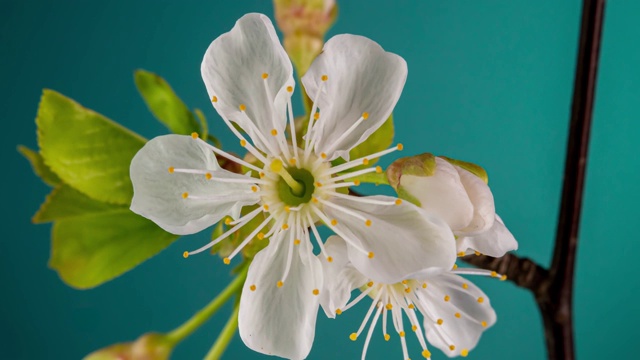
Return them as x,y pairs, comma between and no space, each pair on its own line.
310,132
251,214
478,272
253,129
316,234
369,333
344,210
363,200
357,162
324,218
246,145
278,168
289,254
336,143
354,174
292,125
357,299
338,185
233,158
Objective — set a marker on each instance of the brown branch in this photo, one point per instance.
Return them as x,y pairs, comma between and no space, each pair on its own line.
522,271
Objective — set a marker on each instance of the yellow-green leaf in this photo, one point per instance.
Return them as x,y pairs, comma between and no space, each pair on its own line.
39,167
165,105
65,202
85,149
89,250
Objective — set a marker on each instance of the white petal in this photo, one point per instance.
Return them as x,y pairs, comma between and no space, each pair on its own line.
484,209
157,194
362,77
281,321
442,194
495,242
404,239
475,316
340,278
232,71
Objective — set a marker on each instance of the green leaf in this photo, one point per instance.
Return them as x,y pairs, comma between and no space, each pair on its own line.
65,202
203,124
89,250
380,140
85,149
165,105
38,165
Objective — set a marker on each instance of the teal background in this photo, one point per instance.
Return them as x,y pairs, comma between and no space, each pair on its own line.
489,82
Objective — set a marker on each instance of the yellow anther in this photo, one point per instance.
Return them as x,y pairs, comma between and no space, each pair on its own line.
484,324
365,115
334,222
279,284
185,254
265,75
265,207
289,88
378,170
316,116
274,132
398,201
338,311
411,306
389,306
401,333
285,226
494,274
254,188
387,337
447,298
424,285
440,321
400,147
329,259
261,175
407,290
292,161
242,107
367,222
480,300
455,266
171,169
405,282
465,286
316,292
208,176
371,255
426,354
296,242
324,78
457,315
252,288
478,253
464,352
353,336
243,142
370,284
452,347
503,278
287,208
365,161
461,254
356,182
260,236
226,260
314,199
214,99
323,155
414,328
318,184
194,135
185,195
227,221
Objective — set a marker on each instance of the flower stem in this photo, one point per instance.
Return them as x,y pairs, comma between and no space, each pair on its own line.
203,315
225,336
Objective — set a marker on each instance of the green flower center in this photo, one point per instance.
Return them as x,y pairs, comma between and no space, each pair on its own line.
301,192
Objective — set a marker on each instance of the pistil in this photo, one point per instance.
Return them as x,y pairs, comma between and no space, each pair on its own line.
296,187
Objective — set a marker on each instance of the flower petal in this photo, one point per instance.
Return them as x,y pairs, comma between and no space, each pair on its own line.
495,242
281,320
340,278
157,194
442,194
362,77
484,209
233,68
465,314
404,239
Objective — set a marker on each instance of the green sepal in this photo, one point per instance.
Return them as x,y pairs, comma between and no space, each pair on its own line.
164,104
476,170
85,149
404,195
380,140
39,167
418,165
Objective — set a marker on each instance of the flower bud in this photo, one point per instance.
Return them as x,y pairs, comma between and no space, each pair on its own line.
150,346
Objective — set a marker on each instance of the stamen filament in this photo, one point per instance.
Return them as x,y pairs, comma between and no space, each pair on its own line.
244,141
296,187
309,135
249,214
343,209
356,162
225,234
478,272
254,129
374,304
370,332
316,234
250,236
338,185
357,299
292,126
354,174
335,143
364,200
327,222
233,158
289,253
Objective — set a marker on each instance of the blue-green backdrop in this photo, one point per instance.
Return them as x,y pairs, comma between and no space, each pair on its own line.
489,82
